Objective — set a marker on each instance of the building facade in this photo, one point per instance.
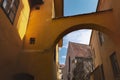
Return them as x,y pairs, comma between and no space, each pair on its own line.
14,16
60,71
30,30
78,62
105,55
83,68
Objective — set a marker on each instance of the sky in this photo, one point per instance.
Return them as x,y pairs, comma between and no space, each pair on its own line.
75,7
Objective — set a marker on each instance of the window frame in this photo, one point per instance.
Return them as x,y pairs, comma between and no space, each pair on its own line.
69,63
12,11
101,38
98,73
115,65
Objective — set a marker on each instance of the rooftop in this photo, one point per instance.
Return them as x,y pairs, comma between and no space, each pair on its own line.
79,50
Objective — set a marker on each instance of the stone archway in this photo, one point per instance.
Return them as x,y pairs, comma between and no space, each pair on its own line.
83,26
101,21
87,26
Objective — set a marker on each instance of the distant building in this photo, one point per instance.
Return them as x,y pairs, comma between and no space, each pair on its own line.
105,57
78,62
83,68
60,71
58,67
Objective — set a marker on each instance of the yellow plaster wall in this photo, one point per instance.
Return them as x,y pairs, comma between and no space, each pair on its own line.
10,47
10,41
38,64
114,5
102,53
59,8
94,43
38,59
53,9
108,19
22,18
57,61
46,30
103,21
39,27
104,5
55,27
116,13
107,49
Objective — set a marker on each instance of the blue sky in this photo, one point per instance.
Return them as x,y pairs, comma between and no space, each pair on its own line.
75,7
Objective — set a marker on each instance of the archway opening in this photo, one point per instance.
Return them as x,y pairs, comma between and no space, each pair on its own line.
101,47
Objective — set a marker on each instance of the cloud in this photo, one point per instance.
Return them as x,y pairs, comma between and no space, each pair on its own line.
65,46
80,36
62,63
60,48
64,57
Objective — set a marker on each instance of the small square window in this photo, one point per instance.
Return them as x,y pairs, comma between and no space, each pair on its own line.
32,40
37,7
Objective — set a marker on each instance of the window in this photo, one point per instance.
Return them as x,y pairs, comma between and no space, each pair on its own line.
115,65
32,40
69,65
101,37
99,73
10,7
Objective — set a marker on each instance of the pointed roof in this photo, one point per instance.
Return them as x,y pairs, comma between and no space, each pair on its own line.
79,50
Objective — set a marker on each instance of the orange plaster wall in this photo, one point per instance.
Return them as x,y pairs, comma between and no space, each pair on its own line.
10,47
11,40
102,53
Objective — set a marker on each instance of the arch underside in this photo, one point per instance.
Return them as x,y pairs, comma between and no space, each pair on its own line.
98,21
